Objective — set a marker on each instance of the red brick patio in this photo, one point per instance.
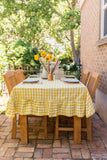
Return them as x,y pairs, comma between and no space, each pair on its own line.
51,149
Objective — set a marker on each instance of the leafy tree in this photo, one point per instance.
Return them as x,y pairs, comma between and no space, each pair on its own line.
66,21
68,24
37,19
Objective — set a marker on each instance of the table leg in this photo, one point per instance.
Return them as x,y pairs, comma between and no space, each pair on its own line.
57,127
45,126
14,127
77,130
83,122
89,136
24,129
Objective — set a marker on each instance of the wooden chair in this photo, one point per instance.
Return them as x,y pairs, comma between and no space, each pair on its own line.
84,79
84,76
91,85
19,75
11,82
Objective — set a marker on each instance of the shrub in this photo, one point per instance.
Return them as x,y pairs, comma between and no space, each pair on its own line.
65,59
65,67
74,67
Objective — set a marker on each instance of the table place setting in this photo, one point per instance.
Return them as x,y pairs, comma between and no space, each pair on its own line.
34,76
69,76
31,81
68,80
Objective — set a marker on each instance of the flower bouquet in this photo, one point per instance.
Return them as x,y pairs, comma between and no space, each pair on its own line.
46,60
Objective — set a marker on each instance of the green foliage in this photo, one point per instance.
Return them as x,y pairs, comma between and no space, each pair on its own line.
21,42
46,47
22,55
32,22
2,112
65,59
74,67
65,67
57,52
3,61
1,92
70,23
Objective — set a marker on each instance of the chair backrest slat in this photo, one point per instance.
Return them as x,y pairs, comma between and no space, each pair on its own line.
19,75
10,80
92,83
84,77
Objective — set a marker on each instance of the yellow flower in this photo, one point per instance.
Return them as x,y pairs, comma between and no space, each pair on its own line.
43,54
47,58
36,57
51,56
55,59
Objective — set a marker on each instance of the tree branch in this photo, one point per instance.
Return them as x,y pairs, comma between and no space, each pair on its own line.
69,4
74,3
59,14
67,38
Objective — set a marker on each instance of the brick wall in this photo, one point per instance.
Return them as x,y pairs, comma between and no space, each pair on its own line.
93,57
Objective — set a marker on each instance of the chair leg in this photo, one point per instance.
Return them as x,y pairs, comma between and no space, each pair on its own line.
45,126
77,130
14,128
19,120
56,127
89,135
83,121
24,128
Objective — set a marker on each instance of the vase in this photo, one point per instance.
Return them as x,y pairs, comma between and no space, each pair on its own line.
50,76
44,73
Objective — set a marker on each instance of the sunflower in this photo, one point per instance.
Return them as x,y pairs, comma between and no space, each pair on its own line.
55,59
51,56
36,57
43,54
47,58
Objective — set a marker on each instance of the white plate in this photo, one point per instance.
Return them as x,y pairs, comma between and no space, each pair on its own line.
34,76
30,81
71,80
69,76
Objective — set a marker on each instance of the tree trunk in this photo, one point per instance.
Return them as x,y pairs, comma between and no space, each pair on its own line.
76,53
73,45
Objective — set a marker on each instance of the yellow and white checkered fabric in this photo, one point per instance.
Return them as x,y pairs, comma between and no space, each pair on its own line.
50,98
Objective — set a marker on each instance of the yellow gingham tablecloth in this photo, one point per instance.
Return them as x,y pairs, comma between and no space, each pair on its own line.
50,98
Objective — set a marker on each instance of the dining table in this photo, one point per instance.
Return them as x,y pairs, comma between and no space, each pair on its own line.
40,97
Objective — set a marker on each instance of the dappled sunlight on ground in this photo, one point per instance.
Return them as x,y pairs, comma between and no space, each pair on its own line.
3,101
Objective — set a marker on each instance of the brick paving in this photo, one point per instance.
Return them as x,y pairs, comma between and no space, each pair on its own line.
63,148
